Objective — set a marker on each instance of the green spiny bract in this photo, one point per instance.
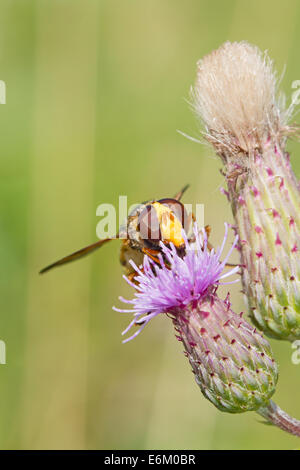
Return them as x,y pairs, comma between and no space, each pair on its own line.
267,217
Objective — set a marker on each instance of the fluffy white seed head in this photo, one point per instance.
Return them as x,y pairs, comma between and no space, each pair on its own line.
235,97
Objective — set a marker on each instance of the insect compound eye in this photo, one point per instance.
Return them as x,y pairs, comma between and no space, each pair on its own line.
178,210
148,224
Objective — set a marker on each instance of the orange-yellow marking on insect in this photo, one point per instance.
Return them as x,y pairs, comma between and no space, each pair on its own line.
170,225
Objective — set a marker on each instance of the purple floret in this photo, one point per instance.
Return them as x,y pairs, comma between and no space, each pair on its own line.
177,282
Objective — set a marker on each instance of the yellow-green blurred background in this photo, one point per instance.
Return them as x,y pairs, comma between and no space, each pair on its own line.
95,93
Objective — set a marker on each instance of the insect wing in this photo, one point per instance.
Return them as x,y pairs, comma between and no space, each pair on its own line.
76,255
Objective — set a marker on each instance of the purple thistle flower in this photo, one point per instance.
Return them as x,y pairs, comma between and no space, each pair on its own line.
184,281
232,362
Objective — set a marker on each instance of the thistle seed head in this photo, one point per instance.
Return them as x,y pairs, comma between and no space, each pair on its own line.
235,98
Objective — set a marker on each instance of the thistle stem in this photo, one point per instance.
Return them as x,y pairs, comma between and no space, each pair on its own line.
280,418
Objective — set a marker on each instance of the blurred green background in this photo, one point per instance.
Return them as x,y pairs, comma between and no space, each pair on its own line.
95,93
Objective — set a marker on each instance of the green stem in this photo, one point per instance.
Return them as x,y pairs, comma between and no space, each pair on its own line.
280,418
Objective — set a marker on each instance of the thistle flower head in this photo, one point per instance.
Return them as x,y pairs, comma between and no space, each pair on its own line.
177,282
232,362
235,97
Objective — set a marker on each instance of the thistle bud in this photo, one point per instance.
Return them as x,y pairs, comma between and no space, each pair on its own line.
231,361
235,97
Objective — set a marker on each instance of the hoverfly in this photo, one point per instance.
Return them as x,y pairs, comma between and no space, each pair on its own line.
147,225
